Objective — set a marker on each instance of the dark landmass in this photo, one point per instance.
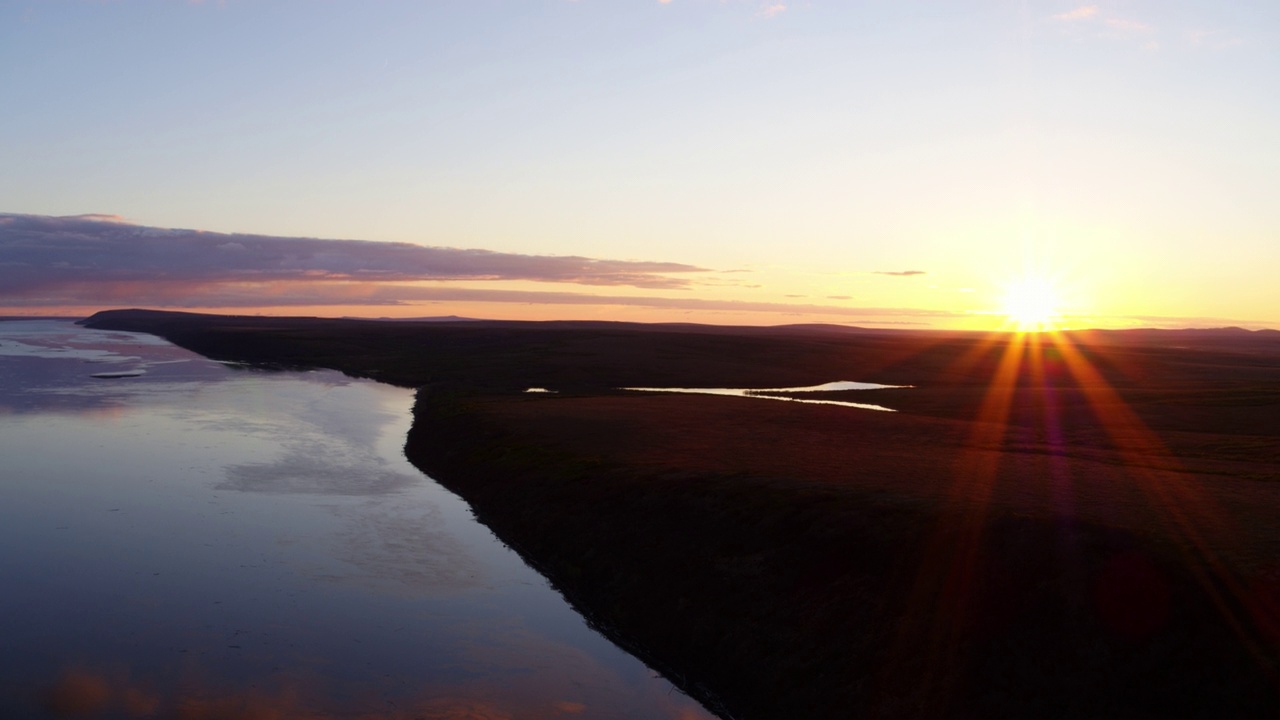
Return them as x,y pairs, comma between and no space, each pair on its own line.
10,318
1083,529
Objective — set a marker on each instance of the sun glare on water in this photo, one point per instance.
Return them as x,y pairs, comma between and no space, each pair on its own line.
1031,304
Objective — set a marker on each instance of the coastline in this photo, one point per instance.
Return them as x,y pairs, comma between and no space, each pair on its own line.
777,560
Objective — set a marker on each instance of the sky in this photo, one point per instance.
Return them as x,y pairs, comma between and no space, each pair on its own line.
888,163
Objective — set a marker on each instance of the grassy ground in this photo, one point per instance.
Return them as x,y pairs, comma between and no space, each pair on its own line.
1089,530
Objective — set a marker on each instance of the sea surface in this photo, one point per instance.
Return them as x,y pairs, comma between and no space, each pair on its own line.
181,538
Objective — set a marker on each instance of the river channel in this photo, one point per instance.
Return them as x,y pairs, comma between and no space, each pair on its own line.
184,538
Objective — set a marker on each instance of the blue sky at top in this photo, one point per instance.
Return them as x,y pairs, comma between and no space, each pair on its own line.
1131,145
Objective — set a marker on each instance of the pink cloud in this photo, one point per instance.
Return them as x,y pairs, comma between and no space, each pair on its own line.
352,294
1128,25
1084,12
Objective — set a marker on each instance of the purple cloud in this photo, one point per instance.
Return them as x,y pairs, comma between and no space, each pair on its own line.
102,261
898,273
380,294
42,254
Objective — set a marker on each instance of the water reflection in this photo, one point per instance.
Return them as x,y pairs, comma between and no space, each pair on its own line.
43,361
316,473
405,551
780,393
197,542
95,693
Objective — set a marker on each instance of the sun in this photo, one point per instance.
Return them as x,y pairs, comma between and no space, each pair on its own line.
1031,304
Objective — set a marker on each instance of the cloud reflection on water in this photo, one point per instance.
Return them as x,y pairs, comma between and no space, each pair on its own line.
303,473
566,684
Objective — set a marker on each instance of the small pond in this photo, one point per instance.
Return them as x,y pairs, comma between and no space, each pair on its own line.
785,393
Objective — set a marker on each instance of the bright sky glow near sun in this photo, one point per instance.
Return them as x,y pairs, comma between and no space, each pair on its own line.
905,164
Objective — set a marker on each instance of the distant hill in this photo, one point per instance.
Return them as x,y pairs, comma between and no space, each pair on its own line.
432,318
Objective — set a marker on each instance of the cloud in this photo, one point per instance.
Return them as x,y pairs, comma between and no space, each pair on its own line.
258,295
773,10
1084,12
41,255
1128,25
103,261
899,273
1178,322
1104,25
1213,39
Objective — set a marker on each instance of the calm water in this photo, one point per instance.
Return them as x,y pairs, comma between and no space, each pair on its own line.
181,538
770,393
